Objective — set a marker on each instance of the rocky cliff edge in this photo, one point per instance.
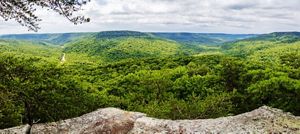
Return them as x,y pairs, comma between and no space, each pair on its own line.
116,121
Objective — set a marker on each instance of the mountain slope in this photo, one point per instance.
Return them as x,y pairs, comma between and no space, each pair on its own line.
121,34
123,48
187,38
246,47
57,39
203,38
29,48
285,37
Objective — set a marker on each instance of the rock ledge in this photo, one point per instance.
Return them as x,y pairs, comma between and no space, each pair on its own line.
116,121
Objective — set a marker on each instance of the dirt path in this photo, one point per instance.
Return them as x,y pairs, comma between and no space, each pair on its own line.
63,58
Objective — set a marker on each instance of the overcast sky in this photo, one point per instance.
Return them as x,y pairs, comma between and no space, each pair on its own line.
205,16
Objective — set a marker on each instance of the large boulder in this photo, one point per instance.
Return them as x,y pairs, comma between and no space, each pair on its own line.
262,120
102,121
24,129
116,121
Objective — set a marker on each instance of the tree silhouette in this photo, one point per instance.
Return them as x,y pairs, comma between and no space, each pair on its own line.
23,11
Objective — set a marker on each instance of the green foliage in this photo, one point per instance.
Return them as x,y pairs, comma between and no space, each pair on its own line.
281,92
283,37
148,75
55,39
10,111
30,48
124,48
35,89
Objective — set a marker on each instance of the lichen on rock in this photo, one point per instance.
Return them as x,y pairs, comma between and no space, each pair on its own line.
116,121
262,120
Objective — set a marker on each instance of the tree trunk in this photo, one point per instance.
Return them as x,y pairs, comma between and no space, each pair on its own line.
28,113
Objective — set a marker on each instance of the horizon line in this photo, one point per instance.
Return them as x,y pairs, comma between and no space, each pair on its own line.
37,33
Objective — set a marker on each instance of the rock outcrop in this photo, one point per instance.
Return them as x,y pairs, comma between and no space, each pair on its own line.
116,121
102,121
24,129
262,120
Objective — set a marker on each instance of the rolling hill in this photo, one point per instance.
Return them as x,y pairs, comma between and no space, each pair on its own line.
121,34
186,38
57,39
261,43
203,38
285,37
141,72
123,47
30,48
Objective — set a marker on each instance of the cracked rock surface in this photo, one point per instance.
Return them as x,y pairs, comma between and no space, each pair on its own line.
116,121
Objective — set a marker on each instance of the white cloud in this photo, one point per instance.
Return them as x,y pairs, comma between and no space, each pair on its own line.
229,16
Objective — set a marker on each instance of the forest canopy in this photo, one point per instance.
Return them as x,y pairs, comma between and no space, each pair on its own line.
207,82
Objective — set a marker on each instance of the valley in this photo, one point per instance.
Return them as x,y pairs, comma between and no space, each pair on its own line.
165,75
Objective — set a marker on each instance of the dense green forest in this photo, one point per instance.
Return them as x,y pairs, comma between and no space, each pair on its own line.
158,76
190,38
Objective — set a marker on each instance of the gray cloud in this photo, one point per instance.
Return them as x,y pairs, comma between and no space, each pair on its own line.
241,6
230,16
